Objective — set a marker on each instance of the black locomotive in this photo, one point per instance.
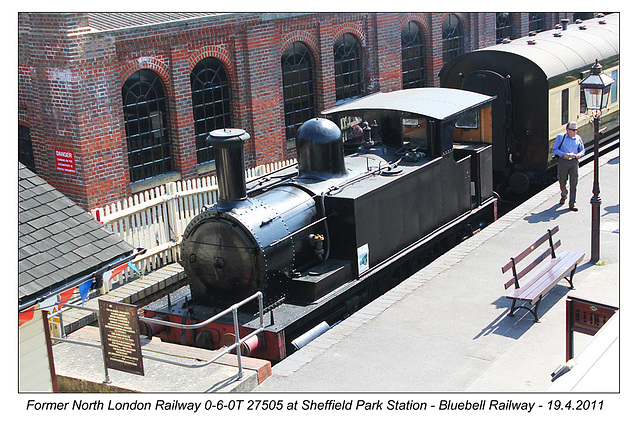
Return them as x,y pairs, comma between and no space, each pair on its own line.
536,83
323,237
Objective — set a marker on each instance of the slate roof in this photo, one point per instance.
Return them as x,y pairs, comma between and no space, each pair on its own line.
105,21
58,241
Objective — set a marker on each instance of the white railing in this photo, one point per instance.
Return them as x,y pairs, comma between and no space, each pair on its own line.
155,219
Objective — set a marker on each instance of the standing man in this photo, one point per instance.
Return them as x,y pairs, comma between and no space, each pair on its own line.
569,148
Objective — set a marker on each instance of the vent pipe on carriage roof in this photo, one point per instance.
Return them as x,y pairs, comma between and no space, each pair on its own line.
228,152
320,150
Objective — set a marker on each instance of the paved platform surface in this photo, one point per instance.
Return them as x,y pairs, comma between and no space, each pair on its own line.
446,328
80,369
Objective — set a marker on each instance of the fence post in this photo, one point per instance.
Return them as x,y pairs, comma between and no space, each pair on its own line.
173,211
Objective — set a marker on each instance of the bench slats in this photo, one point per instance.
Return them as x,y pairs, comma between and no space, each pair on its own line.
531,266
530,249
553,271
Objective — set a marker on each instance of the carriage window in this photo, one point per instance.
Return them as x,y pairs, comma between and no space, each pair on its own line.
565,106
468,120
614,87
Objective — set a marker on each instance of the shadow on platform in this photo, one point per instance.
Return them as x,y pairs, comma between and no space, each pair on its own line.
548,215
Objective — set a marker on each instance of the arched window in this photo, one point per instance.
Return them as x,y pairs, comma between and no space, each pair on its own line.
413,51
25,149
211,100
537,21
452,38
349,74
147,126
505,27
298,87
583,15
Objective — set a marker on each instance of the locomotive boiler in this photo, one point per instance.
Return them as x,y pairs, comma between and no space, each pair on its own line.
322,238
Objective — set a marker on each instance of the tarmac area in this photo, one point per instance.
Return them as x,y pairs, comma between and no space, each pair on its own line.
446,328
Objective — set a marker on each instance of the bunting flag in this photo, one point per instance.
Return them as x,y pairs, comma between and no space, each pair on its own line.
25,316
133,267
65,297
83,289
50,304
110,274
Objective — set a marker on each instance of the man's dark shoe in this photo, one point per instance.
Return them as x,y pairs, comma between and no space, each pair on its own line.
562,200
573,208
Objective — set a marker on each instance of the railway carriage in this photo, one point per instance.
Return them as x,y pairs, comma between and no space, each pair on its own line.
536,82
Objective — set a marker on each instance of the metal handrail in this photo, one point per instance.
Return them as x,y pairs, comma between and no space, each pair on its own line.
236,345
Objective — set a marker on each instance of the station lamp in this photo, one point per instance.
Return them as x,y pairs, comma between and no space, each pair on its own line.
596,87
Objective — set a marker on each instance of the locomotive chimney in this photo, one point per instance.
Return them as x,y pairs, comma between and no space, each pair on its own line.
320,149
228,152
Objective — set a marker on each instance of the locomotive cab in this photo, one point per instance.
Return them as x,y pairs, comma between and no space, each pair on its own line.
429,123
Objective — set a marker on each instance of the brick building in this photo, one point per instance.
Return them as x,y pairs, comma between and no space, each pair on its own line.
111,104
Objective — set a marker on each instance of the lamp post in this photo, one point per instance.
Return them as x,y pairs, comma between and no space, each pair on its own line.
596,93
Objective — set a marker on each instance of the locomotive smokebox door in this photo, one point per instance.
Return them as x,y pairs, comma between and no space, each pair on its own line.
220,260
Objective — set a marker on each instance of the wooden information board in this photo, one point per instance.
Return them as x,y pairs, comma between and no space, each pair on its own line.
120,337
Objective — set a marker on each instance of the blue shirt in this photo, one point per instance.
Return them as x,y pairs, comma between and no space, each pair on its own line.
568,145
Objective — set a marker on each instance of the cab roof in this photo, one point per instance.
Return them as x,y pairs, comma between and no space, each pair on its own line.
437,103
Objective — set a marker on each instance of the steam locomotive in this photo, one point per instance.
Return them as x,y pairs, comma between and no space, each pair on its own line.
535,80
324,237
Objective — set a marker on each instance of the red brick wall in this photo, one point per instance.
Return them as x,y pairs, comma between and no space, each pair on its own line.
70,81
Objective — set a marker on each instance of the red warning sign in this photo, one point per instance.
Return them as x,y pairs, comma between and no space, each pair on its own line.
65,161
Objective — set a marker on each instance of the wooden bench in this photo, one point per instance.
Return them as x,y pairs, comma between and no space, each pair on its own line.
531,288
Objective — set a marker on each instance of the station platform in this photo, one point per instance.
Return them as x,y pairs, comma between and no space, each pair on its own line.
446,329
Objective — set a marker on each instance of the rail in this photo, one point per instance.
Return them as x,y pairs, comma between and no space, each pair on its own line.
225,350
155,219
